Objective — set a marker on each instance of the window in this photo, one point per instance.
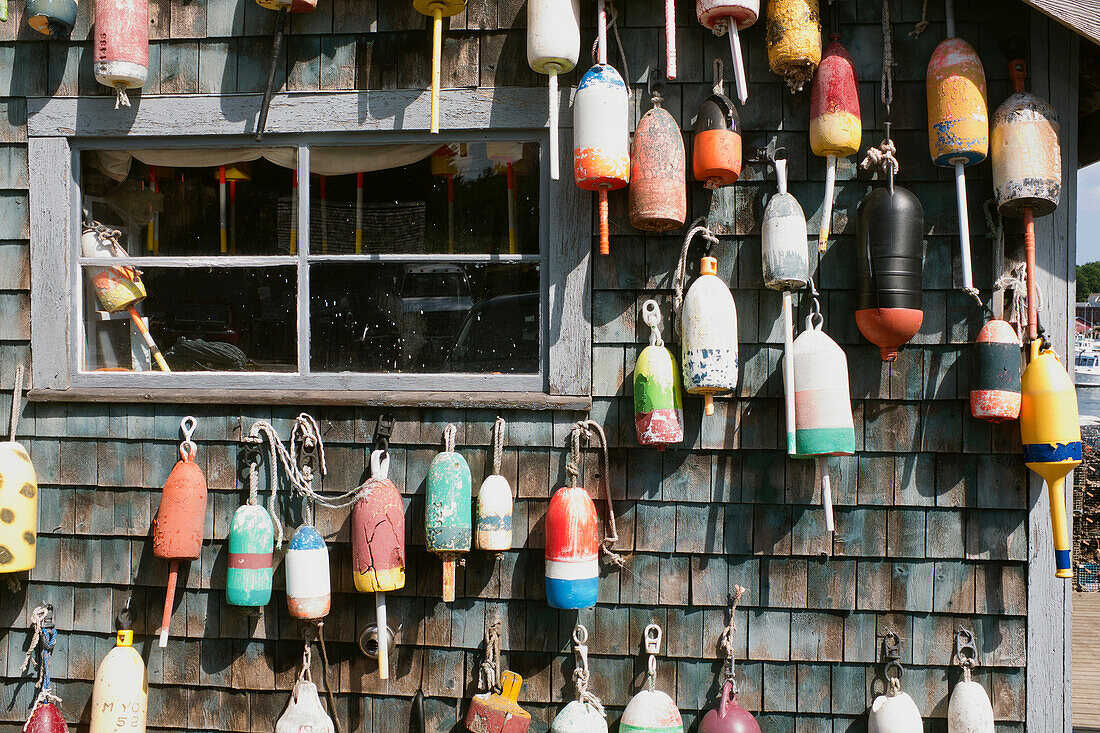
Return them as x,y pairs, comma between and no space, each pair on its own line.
352,257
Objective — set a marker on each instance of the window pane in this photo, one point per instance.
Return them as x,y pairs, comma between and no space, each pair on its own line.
425,198
203,319
194,202
442,317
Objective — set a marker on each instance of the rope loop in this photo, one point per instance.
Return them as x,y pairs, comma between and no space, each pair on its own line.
922,26
498,444
489,672
449,434
43,641
16,401
589,429
882,159
698,227
727,638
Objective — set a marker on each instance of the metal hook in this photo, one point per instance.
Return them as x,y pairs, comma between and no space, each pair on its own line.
654,87
580,634
188,425
891,652
653,639
966,653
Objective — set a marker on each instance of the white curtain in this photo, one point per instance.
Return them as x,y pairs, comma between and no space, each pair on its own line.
324,160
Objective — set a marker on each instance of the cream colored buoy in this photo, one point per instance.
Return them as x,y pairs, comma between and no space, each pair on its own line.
493,525
553,47
708,327
120,696
969,710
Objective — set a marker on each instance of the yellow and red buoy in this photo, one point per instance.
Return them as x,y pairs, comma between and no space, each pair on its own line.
835,124
1052,438
499,712
793,38
437,10
958,122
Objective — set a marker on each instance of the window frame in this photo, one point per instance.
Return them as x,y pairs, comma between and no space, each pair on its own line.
564,235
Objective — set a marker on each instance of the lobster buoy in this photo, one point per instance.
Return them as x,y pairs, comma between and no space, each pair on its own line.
728,716
708,325
716,142
658,189
251,558
894,712
448,522
1052,438
579,717
308,585
730,17
120,696
958,123
1026,155
793,38
499,712
53,18
493,529
823,424
572,549
437,10
178,527
786,267
969,710
658,405
651,711
18,500
45,718
889,268
835,123
553,47
121,46
601,140
995,395
378,546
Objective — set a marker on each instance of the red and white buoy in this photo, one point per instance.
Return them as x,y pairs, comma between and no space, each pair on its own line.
553,47
121,46
730,17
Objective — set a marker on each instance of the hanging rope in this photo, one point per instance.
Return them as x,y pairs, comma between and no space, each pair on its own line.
489,673
587,428
1016,281
727,638
45,636
697,227
449,434
887,91
320,629
581,674
16,402
612,22
498,444
922,26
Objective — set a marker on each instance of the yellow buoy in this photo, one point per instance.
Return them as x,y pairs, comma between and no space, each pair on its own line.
120,697
1052,438
18,497
793,38
437,10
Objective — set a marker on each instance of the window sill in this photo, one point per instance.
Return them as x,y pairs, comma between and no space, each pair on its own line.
321,397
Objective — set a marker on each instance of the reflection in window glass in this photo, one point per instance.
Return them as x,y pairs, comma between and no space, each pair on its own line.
469,198
203,319
439,317
170,202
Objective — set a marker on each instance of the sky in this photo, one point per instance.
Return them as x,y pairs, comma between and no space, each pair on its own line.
1088,214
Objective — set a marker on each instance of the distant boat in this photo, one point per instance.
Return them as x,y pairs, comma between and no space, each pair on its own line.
1086,371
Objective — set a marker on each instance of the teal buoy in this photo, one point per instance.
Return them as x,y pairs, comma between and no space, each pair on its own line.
448,519
251,545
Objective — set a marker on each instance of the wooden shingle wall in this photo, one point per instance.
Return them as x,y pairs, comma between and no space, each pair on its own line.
932,514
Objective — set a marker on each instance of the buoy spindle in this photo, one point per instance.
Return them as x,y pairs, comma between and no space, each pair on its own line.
1032,285
437,52
601,33
827,204
358,213
964,226
826,493
738,62
552,69
670,39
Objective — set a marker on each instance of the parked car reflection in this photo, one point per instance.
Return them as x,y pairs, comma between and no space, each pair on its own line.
500,334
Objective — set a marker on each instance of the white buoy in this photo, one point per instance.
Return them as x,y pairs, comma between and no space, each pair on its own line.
708,324
553,47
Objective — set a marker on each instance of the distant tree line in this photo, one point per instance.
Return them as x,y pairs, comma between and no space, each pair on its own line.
1088,280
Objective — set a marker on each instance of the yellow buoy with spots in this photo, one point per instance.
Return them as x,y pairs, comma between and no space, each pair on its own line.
793,37
1052,438
18,497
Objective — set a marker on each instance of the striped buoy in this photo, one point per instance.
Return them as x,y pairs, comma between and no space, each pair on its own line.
251,557
995,395
308,585
651,710
493,531
835,125
572,549
658,406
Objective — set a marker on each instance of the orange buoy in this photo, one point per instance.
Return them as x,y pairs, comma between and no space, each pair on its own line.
716,138
658,189
178,527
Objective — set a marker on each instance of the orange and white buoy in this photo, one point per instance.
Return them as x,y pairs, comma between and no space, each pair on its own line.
601,138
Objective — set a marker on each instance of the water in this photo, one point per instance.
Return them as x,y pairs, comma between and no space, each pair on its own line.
1088,404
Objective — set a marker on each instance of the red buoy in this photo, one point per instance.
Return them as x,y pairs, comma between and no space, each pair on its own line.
572,549
178,527
658,189
121,46
46,718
